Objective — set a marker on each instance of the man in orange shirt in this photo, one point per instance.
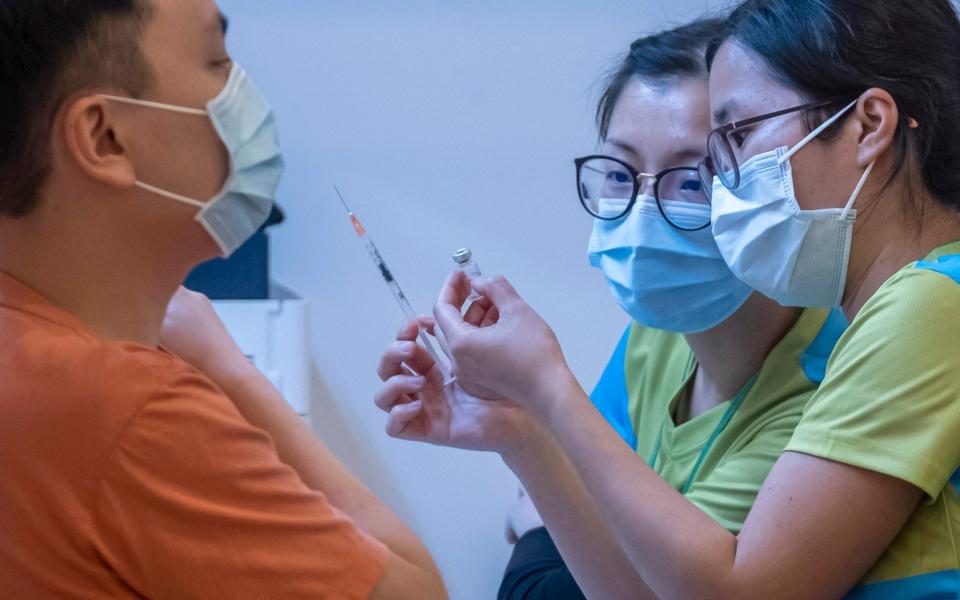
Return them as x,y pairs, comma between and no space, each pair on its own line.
141,454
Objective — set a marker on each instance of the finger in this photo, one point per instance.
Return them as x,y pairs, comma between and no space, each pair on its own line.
392,361
428,325
409,331
401,418
456,289
491,317
415,357
477,311
397,390
421,362
448,313
450,326
500,291
408,358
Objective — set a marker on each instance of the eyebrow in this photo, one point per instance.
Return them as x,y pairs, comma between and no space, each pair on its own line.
623,146
685,155
677,159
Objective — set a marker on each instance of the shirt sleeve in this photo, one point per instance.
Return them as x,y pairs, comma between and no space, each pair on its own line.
538,572
611,396
195,503
889,403
729,492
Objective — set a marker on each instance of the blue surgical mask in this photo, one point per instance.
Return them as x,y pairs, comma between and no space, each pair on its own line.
796,257
663,277
247,126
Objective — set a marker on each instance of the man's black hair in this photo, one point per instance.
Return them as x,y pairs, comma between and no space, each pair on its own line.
49,51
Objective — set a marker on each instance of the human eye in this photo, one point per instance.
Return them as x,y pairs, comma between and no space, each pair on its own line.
692,184
223,63
619,176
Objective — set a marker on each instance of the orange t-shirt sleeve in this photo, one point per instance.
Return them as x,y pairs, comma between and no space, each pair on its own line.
195,503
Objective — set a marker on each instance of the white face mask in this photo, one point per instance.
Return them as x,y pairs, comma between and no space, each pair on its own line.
796,257
247,126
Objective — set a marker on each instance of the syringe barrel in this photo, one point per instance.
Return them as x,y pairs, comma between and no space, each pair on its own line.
405,306
411,315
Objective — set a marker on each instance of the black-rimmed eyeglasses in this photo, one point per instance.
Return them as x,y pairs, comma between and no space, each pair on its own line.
609,189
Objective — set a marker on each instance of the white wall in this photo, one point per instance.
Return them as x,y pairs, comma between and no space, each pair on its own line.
447,123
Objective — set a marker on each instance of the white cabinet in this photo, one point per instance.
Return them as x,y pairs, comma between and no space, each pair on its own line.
273,334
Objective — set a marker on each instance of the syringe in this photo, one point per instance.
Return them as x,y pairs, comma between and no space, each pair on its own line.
391,282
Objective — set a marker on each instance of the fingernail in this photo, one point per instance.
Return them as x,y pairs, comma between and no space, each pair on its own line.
418,381
406,347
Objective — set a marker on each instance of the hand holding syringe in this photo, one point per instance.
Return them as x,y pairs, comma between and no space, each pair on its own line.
394,287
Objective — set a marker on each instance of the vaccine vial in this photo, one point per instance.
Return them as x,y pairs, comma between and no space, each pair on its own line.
464,260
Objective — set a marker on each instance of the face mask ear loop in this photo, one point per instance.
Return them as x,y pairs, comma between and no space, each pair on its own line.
816,132
171,195
856,192
147,103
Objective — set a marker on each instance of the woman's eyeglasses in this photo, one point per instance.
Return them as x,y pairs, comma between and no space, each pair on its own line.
609,189
722,160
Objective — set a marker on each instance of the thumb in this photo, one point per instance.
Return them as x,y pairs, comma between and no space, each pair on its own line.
447,311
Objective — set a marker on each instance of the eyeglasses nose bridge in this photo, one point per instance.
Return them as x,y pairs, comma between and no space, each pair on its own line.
643,187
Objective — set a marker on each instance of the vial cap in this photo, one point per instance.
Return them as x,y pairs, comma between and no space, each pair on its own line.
462,256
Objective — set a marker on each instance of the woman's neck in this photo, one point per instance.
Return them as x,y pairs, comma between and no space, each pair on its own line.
888,237
730,354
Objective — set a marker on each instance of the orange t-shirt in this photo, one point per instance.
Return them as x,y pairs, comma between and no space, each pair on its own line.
125,473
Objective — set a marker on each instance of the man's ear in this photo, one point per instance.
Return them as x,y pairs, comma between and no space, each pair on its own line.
878,118
93,142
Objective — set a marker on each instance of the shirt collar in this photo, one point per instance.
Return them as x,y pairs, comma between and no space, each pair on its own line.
16,295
